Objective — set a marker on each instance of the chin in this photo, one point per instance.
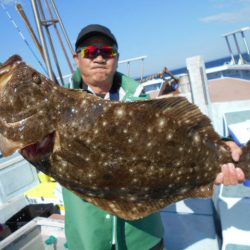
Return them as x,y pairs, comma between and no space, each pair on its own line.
100,77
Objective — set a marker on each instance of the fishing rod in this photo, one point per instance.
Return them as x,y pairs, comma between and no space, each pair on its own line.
43,24
46,25
62,27
24,39
33,35
26,20
60,38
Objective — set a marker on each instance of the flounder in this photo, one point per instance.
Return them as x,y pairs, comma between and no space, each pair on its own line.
130,159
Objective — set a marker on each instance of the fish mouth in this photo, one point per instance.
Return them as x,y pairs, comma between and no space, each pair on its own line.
39,150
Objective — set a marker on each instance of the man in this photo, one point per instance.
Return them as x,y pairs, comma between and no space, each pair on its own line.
88,227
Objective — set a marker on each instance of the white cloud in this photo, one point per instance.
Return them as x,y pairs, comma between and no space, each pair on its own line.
229,17
228,3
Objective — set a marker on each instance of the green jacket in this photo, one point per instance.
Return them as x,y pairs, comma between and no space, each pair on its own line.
128,84
89,228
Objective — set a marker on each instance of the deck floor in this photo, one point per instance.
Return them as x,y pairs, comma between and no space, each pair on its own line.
229,89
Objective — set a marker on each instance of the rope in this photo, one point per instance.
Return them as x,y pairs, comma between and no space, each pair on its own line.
23,38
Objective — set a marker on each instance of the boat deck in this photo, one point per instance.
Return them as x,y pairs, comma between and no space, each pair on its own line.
229,89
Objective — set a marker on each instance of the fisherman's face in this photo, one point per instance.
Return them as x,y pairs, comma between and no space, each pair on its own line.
98,70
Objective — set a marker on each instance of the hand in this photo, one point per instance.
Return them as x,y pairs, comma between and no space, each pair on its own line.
229,174
235,150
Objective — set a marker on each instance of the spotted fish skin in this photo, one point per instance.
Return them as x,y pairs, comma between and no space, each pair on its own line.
130,159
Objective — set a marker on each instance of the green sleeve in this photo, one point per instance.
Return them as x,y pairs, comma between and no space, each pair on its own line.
130,86
77,79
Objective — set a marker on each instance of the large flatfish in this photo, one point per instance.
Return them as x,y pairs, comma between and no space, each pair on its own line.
130,159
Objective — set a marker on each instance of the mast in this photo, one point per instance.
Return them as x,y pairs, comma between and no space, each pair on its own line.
46,40
42,38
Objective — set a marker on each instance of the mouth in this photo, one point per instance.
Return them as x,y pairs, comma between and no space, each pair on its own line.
99,67
39,150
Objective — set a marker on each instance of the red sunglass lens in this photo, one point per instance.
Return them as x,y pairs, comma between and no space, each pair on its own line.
105,51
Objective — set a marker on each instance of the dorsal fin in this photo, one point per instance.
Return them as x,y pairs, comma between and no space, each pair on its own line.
180,109
186,114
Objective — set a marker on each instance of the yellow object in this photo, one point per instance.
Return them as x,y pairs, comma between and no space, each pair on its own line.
45,193
45,178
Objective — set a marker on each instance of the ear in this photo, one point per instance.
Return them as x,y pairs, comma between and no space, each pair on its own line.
117,59
75,56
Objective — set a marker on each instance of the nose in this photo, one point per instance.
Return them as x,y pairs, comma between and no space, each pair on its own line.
99,59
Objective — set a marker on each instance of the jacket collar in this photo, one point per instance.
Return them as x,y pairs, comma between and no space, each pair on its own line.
114,88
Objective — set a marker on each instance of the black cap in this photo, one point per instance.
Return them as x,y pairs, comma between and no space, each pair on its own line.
92,29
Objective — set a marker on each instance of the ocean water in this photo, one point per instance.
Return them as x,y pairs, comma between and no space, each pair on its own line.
216,63
219,62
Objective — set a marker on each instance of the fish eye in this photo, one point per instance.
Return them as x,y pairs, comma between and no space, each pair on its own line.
36,78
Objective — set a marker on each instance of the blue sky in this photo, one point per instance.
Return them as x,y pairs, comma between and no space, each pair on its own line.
166,31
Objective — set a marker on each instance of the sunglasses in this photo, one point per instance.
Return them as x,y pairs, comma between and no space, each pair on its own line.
92,52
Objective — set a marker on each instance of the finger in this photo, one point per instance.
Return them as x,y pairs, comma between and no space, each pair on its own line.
232,174
236,155
219,179
240,175
229,173
236,151
224,170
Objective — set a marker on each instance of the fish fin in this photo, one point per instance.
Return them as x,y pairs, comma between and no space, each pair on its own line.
178,109
134,210
178,103
8,147
181,109
204,191
127,210
186,115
